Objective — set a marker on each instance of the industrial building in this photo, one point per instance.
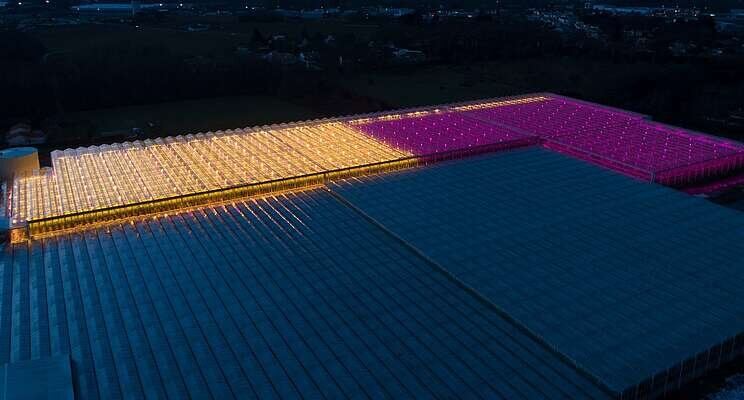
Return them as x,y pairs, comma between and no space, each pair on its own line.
527,247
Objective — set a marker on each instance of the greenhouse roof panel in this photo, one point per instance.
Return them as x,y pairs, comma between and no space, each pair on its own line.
628,279
286,296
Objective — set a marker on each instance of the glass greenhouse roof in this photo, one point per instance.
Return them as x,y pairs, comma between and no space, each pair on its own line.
639,284
109,182
522,274
440,132
105,176
289,296
619,140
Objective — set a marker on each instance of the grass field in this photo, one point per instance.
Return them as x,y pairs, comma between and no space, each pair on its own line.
225,35
429,86
434,85
79,40
195,116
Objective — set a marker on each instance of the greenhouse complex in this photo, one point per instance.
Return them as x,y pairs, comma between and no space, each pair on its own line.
518,248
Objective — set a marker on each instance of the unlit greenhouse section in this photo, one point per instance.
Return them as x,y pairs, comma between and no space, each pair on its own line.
639,284
101,177
284,297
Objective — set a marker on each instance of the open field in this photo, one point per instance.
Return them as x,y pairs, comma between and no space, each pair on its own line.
224,35
79,40
193,116
450,83
434,85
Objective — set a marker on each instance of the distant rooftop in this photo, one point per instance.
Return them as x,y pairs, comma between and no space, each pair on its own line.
115,6
625,10
16,152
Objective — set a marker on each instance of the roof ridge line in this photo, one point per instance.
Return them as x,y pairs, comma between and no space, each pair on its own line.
580,369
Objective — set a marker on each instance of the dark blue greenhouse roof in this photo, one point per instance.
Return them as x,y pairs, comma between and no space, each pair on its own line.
293,296
639,285
41,378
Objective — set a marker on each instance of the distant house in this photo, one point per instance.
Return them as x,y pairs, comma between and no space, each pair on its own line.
623,10
312,14
409,56
118,134
197,28
307,14
243,49
736,118
393,12
117,8
22,135
281,58
724,26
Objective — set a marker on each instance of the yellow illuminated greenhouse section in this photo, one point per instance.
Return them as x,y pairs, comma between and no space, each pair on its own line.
108,177
108,182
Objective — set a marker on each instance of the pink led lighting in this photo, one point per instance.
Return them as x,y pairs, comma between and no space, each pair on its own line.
621,141
556,116
441,132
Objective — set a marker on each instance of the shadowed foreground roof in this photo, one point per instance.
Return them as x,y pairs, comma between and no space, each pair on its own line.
290,296
638,283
